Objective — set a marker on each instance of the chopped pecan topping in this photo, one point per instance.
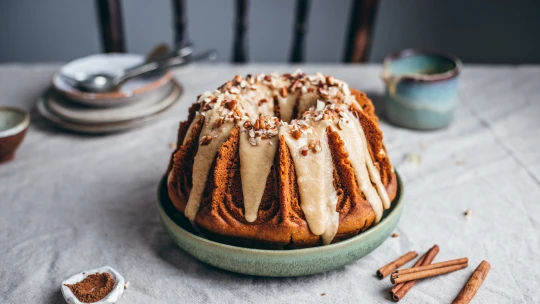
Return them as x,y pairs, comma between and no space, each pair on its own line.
330,80
324,93
207,106
235,90
250,79
294,85
231,104
340,124
237,113
296,134
261,123
205,140
317,147
284,92
219,122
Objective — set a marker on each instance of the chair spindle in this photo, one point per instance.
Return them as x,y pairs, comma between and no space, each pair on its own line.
241,26
111,25
359,36
300,30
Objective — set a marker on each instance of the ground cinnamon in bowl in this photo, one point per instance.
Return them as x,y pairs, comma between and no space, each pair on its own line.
93,288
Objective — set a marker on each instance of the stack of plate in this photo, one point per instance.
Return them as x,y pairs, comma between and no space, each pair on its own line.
137,102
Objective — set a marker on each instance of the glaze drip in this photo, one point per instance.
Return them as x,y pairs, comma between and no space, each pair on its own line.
257,151
356,146
314,171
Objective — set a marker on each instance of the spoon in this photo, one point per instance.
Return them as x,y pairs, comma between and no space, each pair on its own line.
103,82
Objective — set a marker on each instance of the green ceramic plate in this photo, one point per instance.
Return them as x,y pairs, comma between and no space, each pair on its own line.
276,263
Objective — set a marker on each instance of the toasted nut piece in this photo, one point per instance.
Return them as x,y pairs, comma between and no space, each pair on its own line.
231,104
294,85
284,92
205,140
219,122
296,134
317,147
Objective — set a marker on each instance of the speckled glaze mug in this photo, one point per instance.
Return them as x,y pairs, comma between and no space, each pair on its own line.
421,88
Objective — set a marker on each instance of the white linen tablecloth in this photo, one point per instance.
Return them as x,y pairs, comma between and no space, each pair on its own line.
70,202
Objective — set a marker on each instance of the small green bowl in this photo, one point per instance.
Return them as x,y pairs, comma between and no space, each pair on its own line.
276,263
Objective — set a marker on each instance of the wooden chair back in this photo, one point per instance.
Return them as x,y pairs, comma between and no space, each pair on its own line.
358,39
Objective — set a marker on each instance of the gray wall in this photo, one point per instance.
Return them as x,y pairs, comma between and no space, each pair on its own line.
477,31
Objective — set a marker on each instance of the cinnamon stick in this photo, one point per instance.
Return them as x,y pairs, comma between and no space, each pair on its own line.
400,290
390,267
473,284
418,263
426,273
431,266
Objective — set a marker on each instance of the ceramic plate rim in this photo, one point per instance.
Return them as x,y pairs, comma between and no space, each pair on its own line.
117,95
289,252
136,58
53,103
101,128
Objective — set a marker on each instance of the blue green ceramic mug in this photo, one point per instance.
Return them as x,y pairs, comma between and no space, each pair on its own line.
421,88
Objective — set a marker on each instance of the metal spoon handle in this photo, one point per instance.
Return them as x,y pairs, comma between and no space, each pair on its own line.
169,63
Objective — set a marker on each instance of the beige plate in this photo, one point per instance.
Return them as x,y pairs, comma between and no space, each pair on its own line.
133,90
104,127
76,113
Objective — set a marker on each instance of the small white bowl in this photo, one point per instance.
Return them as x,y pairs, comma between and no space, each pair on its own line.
14,123
111,298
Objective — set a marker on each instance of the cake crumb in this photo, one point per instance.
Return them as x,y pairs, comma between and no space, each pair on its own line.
467,213
422,147
323,294
413,158
126,285
461,163
172,145
395,235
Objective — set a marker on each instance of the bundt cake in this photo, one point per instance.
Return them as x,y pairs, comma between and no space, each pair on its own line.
281,161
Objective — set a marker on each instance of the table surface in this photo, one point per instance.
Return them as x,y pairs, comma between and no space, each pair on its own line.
70,203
